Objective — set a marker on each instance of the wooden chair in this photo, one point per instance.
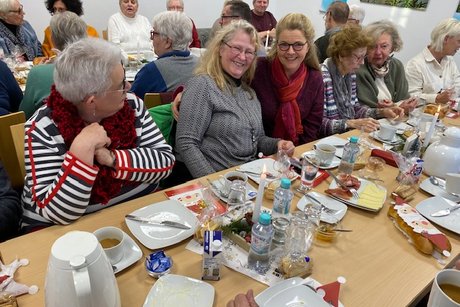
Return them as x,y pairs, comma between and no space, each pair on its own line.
8,154
18,134
155,99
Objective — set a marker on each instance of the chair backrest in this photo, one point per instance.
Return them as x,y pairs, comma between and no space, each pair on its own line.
155,99
7,150
18,134
105,34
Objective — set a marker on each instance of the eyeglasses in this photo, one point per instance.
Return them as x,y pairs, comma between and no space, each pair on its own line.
176,8
238,50
297,46
123,89
228,16
153,33
325,15
20,10
358,58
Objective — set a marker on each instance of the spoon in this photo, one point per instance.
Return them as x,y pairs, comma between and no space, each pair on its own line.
434,180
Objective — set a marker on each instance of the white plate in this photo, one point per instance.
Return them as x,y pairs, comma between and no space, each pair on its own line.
132,253
180,291
334,140
396,139
251,193
328,202
353,201
335,161
435,190
292,292
157,236
257,166
434,204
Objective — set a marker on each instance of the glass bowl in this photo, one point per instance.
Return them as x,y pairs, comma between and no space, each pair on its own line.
158,264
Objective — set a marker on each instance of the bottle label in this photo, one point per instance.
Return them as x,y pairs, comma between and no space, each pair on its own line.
260,244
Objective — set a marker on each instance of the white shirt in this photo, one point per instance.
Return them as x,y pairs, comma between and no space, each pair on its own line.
426,77
131,34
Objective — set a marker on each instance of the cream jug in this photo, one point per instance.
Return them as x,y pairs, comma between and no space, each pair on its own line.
79,273
443,156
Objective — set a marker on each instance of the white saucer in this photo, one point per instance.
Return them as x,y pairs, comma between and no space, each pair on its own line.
329,203
335,141
335,162
132,253
396,139
435,190
251,193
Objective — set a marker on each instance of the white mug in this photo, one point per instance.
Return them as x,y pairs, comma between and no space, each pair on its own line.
387,132
113,250
437,296
453,183
325,153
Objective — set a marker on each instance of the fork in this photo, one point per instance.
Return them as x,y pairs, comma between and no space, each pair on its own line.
323,207
340,183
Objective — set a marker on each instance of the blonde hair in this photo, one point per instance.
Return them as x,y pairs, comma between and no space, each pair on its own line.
447,27
211,64
297,21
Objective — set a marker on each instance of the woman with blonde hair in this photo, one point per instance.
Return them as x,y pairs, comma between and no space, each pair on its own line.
220,121
289,83
342,111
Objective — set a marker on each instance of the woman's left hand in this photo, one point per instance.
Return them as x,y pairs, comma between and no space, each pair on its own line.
393,112
104,156
409,104
287,146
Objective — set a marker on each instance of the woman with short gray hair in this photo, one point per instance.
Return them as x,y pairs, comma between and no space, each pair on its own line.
433,74
381,81
66,28
171,36
92,145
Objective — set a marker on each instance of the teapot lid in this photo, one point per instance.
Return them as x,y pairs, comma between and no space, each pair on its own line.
453,132
73,245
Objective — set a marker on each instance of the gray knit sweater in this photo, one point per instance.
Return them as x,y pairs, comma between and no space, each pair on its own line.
217,130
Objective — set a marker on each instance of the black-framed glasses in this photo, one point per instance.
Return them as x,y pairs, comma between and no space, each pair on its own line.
18,11
123,89
235,50
223,17
153,33
297,46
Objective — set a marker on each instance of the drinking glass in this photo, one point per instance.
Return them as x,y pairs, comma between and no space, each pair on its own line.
237,195
282,163
299,236
312,212
308,174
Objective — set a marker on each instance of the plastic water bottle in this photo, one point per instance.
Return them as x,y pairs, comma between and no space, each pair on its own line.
350,153
282,199
261,239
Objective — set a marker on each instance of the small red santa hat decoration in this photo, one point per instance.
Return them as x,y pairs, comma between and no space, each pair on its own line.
330,292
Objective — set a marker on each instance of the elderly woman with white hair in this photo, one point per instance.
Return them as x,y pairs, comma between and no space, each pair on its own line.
92,145
171,36
433,74
129,30
17,37
65,28
381,81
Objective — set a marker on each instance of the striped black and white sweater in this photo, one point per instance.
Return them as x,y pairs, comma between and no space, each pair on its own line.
58,185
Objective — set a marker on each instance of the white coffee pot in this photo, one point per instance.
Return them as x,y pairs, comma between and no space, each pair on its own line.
443,156
80,274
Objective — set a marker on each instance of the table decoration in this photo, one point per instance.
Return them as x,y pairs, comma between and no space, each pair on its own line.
430,132
260,196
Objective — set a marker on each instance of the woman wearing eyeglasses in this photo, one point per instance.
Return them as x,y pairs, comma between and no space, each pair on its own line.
59,6
289,83
17,37
92,145
130,30
381,80
220,121
347,50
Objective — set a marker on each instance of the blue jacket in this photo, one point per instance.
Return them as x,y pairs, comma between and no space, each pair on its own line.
25,38
10,92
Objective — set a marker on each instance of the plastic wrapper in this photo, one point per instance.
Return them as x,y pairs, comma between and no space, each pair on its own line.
209,218
7,300
410,170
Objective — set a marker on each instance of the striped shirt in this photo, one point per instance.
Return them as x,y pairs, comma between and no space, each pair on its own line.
58,185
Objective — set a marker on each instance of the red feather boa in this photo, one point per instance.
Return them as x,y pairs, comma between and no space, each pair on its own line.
119,127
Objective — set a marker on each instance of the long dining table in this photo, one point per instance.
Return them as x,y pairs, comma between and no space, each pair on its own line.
380,266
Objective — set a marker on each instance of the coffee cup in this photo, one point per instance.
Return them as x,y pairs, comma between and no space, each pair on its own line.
232,176
112,240
446,289
453,183
387,132
325,153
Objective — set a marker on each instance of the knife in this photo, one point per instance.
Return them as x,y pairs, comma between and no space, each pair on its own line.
446,211
337,180
162,223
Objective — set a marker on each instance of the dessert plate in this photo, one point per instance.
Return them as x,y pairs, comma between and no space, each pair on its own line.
327,202
180,291
335,161
396,139
251,193
157,236
132,253
436,203
335,141
257,166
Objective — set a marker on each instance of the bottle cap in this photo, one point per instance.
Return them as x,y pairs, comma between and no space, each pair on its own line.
265,218
354,139
285,183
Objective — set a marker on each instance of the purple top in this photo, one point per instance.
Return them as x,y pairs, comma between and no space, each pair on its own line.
263,23
310,100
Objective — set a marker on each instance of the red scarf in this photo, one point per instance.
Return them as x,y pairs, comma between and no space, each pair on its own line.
119,127
288,122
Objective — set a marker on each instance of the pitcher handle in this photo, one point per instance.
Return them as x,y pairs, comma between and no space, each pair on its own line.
81,281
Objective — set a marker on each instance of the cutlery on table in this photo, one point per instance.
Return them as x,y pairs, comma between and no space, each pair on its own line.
217,189
446,211
269,175
323,207
340,183
160,223
435,181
